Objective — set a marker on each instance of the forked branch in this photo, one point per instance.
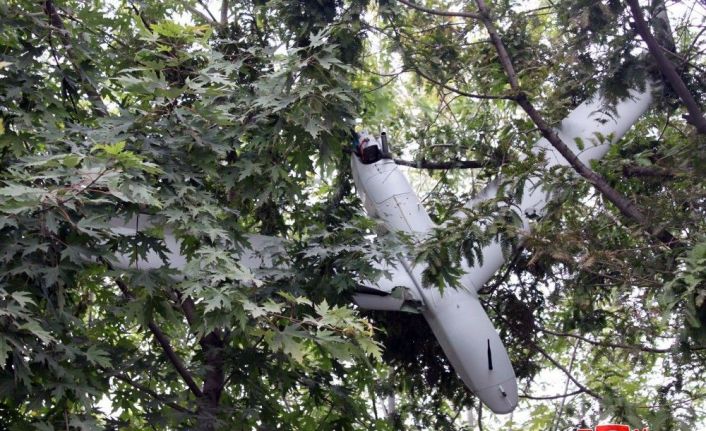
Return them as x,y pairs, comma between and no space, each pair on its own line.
169,352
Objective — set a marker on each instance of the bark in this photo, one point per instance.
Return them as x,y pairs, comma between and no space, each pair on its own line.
439,12
224,13
647,171
696,115
214,381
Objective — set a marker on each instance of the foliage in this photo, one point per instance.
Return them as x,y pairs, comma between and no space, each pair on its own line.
223,124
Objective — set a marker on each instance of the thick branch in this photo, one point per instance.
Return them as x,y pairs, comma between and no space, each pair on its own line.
214,381
696,115
647,171
224,12
189,308
439,12
626,207
453,164
163,341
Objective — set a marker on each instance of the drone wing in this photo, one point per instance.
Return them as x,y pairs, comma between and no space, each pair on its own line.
262,253
394,291
398,292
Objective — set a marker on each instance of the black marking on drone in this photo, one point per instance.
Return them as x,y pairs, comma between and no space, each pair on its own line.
490,357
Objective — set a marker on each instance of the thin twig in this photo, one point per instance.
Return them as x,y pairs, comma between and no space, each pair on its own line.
461,92
439,12
56,23
152,393
552,397
614,345
566,372
557,415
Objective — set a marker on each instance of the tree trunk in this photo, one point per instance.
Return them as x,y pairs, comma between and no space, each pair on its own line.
213,382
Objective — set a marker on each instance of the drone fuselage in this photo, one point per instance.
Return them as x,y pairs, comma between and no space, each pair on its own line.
456,317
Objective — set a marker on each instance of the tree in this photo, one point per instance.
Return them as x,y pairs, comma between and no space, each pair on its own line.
227,118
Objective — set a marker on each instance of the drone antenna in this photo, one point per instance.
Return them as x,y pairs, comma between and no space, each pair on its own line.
385,148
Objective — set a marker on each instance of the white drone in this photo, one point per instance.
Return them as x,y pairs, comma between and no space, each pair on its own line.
456,317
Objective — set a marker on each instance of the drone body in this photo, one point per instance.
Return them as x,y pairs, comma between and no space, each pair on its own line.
456,317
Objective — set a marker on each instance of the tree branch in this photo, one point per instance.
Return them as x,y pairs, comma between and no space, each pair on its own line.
461,92
695,116
56,22
439,12
453,164
565,371
552,397
624,205
174,358
189,308
163,341
647,171
208,11
202,15
152,393
582,387
557,414
613,345
224,13
214,381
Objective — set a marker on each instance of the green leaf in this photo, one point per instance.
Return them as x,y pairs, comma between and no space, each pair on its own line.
35,329
97,356
23,299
